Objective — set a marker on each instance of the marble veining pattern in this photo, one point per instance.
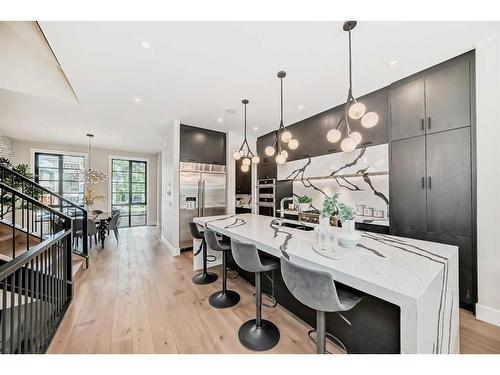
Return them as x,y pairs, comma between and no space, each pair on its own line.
351,174
419,276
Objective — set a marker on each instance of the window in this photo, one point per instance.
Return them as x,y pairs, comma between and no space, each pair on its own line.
129,191
61,174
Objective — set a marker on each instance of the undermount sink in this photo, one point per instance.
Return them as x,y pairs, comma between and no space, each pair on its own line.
295,225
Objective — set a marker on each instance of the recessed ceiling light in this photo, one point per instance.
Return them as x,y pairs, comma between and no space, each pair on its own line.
255,128
220,120
231,111
137,100
393,62
300,107
146,44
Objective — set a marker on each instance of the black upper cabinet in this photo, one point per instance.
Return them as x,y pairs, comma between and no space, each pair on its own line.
449,182
267,166
407,109
306,132
447,94
407,186
436,100
199,145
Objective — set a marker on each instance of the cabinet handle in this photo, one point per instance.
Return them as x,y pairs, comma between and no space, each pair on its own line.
428,122
429,183
422,124
423,182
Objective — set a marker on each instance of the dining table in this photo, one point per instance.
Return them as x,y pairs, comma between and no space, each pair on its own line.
101,219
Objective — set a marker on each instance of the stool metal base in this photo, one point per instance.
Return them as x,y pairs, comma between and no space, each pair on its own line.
222,300
204,278
260,338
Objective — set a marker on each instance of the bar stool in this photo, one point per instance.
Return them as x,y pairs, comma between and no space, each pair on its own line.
204,277
318,290
255,334
223,298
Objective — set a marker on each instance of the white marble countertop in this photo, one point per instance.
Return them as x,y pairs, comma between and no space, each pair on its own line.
358,219
419,276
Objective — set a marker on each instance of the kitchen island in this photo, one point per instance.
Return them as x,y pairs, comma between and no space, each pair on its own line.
412,285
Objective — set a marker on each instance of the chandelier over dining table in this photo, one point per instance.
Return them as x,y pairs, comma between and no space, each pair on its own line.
353,109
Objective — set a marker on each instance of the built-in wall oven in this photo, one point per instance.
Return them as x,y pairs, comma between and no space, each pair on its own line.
269,194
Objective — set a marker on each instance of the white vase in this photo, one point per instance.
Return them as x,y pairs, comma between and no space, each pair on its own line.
303,207
349,226
349,237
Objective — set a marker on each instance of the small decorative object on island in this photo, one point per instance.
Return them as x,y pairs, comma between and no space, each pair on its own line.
89,197
282,133
348,237
304,203
353,109
330,207
248,157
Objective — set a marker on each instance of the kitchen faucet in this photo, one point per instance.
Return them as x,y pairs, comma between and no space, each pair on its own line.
294,200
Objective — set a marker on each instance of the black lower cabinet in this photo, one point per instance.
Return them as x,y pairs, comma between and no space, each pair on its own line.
375,324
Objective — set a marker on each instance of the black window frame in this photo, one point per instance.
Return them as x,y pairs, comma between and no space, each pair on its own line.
130,193
60,169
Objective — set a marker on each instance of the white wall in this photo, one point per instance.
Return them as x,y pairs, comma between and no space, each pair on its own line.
170,189
23,152
488,178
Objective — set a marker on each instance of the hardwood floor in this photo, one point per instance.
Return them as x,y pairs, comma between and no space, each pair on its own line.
136,298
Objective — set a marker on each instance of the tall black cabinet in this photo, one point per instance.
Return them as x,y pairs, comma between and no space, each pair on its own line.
431,163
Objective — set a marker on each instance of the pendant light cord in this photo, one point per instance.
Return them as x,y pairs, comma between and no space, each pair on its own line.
90,152
281,98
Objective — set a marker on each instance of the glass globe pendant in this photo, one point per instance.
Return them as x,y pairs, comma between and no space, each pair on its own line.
244,151
293,144
270,151
353,110
282,134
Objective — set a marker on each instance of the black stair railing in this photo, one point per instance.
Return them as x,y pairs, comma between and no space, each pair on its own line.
36,285
51,199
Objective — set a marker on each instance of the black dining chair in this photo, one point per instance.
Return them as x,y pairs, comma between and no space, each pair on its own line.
91,231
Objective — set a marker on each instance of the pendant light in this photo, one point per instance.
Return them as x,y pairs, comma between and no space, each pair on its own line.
282,133
248,157
353,109
91,175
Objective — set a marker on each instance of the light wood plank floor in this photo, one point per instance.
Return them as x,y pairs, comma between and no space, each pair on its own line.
136,298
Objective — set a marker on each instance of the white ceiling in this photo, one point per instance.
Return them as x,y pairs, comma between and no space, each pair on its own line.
194,71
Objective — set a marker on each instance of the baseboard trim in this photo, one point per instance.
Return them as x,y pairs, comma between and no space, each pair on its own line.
488,314
174,251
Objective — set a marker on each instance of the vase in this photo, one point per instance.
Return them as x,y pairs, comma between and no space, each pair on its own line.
324,231
303,207
349,237
349,226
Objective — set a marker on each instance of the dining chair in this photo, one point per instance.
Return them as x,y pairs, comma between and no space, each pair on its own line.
113,225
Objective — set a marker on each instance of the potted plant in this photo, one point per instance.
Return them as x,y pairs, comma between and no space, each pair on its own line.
349,237
330,207
90,198
304,203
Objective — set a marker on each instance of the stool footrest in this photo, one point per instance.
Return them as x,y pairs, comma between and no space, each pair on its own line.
331,337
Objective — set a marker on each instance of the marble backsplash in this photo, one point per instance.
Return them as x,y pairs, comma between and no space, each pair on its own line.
361,177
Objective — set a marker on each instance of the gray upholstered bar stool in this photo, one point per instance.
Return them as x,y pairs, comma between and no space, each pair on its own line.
223,298
204,277
255,334
318,290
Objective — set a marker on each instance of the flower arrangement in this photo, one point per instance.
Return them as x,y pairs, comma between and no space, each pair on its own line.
330,205
90,197
346,212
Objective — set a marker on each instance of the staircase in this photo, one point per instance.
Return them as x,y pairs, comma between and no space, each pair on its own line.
50,199
37,263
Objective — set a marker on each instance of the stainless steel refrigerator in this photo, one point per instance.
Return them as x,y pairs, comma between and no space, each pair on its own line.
202,193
